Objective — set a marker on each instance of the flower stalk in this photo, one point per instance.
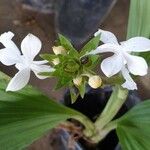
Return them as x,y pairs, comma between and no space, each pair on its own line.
103,123
89,130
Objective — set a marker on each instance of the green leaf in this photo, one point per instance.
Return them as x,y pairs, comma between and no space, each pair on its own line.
139,19
28,114
67,45
91,45
63,81
48,57
95,59
146,56
82,89
47,74
139,22
63,77
133,128
74,94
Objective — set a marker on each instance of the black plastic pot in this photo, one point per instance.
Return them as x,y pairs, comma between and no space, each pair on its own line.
79,19
92,105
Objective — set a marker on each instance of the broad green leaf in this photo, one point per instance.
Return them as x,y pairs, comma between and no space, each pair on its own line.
91,45
139,19
139,22
133,128
28,114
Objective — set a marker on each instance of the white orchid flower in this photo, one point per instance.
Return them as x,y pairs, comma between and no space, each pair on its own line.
122,60
10,55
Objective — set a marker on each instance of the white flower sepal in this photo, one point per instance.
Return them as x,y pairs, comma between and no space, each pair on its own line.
10,55
122,60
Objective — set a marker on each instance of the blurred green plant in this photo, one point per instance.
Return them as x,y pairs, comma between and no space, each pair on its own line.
133,129
139,22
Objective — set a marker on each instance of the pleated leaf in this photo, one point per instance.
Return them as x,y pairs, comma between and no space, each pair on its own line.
27,115
134,128
139,22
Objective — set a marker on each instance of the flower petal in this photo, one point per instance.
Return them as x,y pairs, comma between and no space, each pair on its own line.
136,65
41,62
129,83
112,65
9,57
19,80
107,37
106,48
6,40
41,68
6,35
30,46
137,44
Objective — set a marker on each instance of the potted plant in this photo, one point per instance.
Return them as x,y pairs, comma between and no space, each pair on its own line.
27,114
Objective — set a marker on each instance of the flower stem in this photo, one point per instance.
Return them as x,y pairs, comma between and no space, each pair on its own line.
103,124
88,124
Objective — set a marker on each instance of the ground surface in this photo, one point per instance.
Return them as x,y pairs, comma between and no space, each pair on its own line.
21,22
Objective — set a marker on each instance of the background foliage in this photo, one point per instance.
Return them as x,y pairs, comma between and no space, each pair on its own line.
139,22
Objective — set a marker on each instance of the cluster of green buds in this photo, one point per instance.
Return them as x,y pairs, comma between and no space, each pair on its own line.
72,68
